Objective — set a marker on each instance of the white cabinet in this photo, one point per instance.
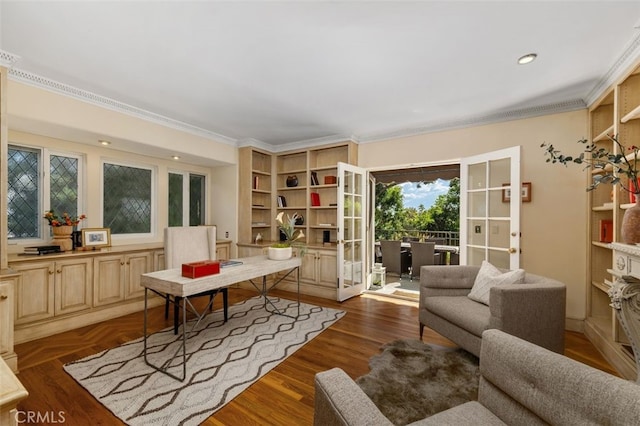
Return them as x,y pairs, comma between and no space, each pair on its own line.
7,301
117,277
72,283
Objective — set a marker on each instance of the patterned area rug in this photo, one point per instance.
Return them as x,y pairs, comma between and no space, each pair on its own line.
223,360
410,380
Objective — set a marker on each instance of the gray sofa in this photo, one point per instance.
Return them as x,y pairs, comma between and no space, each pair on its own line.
533,310
520,384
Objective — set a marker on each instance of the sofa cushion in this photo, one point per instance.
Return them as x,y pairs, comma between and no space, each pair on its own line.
490,276
465,414
461,311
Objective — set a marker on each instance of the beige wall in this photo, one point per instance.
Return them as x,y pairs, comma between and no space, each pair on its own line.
554,241
62,123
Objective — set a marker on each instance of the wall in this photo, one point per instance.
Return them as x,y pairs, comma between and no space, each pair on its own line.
67,124
554,223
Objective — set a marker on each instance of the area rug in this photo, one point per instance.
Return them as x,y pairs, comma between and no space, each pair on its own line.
223,360
410,380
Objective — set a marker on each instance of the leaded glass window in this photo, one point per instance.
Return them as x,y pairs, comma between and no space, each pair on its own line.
175,199
127,199
23,193
187,199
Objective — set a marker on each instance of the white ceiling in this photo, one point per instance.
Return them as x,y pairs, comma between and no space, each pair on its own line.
293,72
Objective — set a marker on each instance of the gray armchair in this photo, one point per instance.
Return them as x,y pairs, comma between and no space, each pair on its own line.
533,310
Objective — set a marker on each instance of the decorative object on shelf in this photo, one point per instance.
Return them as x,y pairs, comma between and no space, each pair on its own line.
62,228
315,199
330,180
76,238
610,168
292,181
606,230
258,238
300,220
284,249
94,238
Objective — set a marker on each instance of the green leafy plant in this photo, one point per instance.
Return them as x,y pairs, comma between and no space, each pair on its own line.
609,166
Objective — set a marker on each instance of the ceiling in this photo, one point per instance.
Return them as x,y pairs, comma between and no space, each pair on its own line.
286,73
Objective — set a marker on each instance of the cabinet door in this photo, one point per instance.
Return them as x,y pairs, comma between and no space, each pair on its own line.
108,280
328,268
73,287
6,316
222,251
309,268
158,260
136,264
34,292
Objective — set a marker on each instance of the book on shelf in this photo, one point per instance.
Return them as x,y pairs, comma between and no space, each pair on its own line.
606,230
256,182
314,178
42,249
282,202
315,199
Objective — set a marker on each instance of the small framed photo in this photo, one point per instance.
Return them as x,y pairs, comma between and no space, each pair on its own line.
525,192
96,237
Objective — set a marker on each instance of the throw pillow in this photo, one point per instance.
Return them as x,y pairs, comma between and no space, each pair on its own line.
489,276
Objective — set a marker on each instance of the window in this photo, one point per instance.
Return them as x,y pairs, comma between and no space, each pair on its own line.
187,199
127,199
30,191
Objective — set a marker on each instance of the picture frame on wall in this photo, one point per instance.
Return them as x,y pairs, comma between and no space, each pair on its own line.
94,238
525,193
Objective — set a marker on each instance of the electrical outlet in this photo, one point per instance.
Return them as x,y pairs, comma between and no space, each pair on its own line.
478,229
226,234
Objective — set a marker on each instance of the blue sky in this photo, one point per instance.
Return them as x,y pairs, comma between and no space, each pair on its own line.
425,195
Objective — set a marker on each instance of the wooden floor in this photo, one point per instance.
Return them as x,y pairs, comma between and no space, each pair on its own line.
284,396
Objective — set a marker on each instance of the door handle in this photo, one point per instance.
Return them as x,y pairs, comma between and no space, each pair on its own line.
512,250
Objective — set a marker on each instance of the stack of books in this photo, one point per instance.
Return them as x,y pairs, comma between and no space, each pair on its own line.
42,249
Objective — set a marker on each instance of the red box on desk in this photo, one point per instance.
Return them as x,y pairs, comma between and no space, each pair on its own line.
200,269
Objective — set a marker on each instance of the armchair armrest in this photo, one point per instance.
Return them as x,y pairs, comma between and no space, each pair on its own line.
340,401
534,312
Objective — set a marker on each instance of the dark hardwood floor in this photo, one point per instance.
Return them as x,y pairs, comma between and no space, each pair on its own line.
284,396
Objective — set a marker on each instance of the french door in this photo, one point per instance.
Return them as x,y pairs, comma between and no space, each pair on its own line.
352,238
490,196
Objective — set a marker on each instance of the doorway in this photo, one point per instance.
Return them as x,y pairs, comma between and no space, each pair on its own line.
414,203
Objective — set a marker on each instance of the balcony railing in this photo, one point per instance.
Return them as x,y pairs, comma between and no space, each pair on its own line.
451,238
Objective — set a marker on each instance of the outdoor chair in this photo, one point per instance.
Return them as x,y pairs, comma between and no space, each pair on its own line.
394,257
422,254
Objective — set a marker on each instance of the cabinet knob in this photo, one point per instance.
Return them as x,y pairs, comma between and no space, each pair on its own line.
50,272
121,263
3,297
59,271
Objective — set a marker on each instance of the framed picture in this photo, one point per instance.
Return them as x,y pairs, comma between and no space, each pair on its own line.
96,237
525,192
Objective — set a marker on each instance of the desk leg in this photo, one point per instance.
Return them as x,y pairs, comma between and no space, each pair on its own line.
264,292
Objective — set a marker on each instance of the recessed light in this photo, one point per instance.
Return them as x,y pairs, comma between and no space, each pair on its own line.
175,157
527,59
102,142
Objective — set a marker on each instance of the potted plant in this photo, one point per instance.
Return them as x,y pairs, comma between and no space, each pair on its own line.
62,228
284,249
609,167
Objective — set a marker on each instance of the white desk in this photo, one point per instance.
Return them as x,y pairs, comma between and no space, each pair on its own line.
171,282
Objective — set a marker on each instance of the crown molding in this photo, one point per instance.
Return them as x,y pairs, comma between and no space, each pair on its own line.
474,121
628,58
113,105
8,59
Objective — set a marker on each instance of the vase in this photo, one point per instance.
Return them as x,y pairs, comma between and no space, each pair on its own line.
630,229
292,181
280,253
62,237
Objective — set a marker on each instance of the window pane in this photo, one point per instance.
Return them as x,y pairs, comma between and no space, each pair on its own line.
175,199
23,207
127,199
63,185
196,200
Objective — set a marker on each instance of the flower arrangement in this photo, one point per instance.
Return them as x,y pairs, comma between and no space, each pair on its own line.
609,166
65,220
287,226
